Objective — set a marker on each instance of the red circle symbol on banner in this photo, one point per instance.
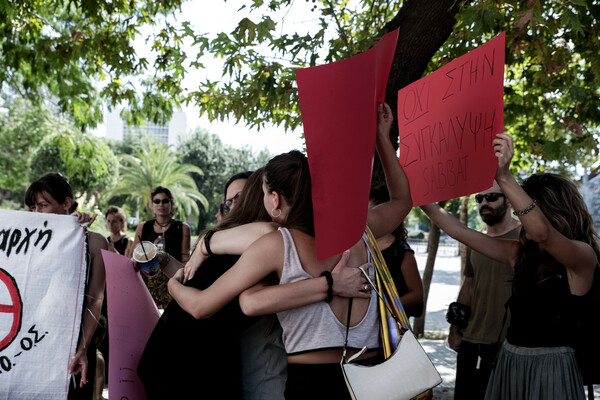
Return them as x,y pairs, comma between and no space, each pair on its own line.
14,308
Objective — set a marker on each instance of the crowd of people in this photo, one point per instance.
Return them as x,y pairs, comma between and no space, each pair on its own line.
251,312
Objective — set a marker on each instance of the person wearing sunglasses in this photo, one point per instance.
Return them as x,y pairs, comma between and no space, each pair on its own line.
554,263
484,290
169,234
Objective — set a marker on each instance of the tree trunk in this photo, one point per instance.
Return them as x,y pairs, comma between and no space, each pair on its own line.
424,27
464,218
433,243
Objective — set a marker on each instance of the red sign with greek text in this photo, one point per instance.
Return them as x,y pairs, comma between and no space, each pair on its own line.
447,122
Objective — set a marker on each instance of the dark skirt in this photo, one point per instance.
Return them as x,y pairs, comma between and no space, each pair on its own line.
544,373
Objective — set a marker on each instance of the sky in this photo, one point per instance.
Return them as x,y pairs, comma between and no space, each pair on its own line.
217,16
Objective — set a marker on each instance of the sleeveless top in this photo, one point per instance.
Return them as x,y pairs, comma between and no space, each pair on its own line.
393,256
157,284
543,311
173,236
315,326
121,244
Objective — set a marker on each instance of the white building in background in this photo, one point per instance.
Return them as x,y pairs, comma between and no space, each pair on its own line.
167,134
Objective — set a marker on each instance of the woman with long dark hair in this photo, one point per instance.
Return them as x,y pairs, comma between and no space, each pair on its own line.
311,313
554,263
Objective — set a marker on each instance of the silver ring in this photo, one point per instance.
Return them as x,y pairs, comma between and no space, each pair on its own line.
365,286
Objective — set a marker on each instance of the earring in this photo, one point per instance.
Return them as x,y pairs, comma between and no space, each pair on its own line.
275,216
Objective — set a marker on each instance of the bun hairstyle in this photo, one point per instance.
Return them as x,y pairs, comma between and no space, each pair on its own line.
289,176
161,189
56,185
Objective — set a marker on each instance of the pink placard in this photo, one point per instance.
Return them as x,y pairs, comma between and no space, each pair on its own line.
338,102
132,315
447,122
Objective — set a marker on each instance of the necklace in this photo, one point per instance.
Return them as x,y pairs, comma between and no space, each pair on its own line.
162,225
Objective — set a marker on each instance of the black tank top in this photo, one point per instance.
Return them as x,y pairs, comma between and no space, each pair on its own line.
173,236
543,310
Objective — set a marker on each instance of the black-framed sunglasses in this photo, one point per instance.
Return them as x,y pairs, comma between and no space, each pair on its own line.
489,197
164,201
229,202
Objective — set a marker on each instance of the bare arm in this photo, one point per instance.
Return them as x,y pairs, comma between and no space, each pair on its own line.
263,299
578,257
129,248
412,278
138,235
261,259
92,304
499,249
386,217
230,241
185,244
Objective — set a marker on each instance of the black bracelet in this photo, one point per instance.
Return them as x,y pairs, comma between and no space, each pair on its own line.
207,242
329,278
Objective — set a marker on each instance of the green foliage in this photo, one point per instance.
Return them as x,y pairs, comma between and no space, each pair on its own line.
552,95
218,162
155,164
88,162
66,47
22,128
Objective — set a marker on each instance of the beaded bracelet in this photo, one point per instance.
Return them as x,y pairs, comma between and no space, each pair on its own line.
329,279
525,211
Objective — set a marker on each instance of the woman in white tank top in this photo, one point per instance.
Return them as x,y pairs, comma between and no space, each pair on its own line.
313,348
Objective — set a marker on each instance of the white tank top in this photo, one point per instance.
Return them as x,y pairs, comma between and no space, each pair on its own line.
315,326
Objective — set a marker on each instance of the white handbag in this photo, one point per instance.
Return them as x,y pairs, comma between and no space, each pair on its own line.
407,372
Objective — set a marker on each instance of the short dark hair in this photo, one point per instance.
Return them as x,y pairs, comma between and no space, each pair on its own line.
56,185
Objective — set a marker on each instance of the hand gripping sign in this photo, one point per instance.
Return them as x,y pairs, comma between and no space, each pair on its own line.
447,122
42,280
338,102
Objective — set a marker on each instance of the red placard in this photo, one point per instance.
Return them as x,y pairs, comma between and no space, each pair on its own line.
447,122
338,102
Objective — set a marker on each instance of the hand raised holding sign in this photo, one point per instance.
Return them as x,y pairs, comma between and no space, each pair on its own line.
384,121
504,150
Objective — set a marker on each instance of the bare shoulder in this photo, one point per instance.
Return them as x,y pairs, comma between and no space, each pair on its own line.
96,241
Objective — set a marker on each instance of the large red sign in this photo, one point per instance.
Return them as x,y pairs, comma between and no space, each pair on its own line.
447,122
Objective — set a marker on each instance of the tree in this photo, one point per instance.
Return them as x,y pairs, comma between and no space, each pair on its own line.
66,47
86,160
22,128
218,162
155,165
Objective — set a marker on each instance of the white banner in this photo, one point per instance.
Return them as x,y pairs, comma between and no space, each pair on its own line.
42,282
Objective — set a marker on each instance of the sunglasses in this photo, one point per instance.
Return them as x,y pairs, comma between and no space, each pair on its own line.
164,201
489,197
229,202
